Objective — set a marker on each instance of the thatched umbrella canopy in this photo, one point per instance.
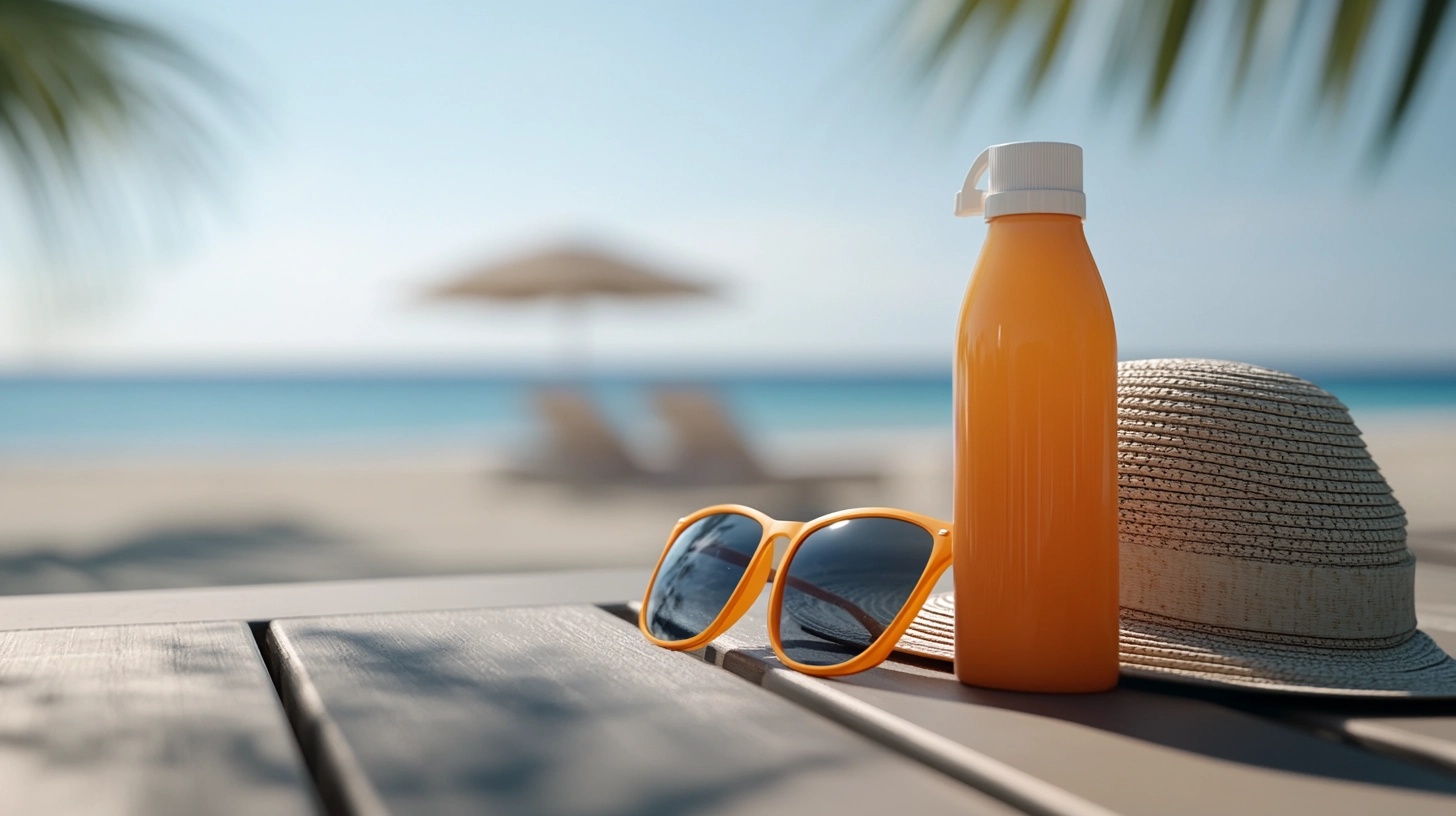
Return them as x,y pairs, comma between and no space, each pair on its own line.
572,277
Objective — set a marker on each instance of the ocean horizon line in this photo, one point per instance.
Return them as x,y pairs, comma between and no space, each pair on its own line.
1436,371
118,411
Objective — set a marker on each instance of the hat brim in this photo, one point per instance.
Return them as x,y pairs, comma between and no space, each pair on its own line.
1165,649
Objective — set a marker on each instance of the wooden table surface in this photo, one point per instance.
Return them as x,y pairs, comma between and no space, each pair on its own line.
535,694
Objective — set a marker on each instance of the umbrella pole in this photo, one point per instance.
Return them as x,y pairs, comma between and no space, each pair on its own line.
575,339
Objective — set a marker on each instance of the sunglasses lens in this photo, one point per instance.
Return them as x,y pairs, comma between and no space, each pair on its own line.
846,582
703,566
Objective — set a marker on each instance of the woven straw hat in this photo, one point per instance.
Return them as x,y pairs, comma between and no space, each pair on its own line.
1260,546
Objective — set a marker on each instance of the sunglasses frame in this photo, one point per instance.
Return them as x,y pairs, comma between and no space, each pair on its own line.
760,572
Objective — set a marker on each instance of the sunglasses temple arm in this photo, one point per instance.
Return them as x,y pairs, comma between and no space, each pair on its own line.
865,619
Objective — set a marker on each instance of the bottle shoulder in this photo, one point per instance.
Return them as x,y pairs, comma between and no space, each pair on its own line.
1032,240
1037,284
1046,287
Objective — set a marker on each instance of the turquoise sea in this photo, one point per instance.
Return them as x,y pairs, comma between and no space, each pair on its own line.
55,414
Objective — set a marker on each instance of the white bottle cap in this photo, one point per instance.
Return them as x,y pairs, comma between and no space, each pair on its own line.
1025,177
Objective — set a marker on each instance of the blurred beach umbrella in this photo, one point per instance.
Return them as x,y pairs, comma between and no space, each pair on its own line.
571,277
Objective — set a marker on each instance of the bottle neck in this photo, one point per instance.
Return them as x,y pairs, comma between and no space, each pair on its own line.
1035,226
1048,220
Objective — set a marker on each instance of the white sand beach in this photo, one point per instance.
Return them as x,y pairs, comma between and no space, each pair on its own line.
135,523
1418,457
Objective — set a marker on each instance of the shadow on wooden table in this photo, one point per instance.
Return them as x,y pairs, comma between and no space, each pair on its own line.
263,551
1282,704
141,719
434,712
1155,712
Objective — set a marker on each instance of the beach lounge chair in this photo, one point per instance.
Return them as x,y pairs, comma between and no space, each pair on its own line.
581,446
708,447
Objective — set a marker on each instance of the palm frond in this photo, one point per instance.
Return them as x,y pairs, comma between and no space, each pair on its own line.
1423,38
1148,43
1176,20
1348,34
1251,13
83,91
1049,47
947,40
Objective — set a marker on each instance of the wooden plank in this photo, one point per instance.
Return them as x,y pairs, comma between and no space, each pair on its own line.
1419,733
273,601
144,719
1133,750
566,710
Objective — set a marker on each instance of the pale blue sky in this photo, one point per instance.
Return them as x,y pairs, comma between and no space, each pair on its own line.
761,145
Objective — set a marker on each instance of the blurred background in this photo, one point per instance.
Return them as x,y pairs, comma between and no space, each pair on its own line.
326,289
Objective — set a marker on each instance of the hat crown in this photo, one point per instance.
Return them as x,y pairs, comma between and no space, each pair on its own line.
1260,546
1249,502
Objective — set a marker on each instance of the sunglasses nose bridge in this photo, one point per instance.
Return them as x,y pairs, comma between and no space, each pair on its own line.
787,529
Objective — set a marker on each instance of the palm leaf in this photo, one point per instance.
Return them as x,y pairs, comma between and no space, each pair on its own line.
1348,34
1423,37
83,91
1176,19
950,34
1252,12
1049,48
1146,47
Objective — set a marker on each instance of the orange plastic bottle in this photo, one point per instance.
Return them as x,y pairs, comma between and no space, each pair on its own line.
1035,525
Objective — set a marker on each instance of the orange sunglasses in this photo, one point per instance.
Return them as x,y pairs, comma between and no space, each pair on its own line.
845,591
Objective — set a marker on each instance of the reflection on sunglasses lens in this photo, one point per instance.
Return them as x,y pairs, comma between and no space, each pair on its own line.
702,568
846,583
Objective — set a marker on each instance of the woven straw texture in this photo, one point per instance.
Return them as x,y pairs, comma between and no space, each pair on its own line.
1261,547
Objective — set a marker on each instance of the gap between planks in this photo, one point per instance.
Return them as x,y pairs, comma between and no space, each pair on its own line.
990,776
297,724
